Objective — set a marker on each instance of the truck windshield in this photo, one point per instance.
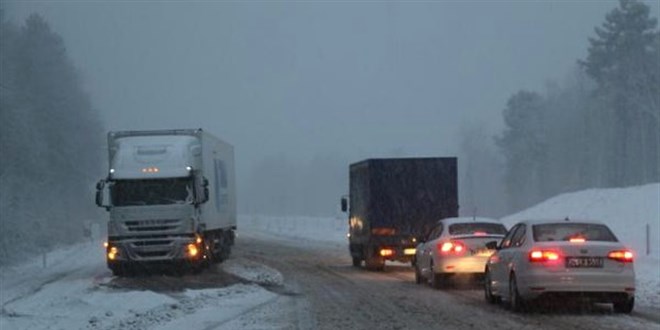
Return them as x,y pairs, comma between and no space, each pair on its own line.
152,192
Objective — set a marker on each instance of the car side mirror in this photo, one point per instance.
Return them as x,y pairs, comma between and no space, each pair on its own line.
344,204
492,245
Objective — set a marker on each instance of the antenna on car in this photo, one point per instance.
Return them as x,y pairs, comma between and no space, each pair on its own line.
474,214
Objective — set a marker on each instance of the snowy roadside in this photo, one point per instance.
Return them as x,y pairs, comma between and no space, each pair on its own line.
76,291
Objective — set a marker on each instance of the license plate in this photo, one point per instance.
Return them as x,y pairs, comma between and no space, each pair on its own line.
584,262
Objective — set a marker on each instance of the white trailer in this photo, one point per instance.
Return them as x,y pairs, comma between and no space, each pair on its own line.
171,196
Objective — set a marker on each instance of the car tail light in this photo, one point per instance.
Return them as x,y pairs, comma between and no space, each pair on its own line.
621,255
452,247
543,256
577,240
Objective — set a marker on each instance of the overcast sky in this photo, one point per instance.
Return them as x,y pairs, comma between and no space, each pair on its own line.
354,78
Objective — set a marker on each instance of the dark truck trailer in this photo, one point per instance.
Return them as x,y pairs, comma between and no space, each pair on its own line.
392,204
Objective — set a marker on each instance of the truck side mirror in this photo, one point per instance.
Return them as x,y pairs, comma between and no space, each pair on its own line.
206,194
100,192
344,204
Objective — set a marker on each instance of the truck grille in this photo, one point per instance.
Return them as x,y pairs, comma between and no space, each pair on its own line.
152,254
153,225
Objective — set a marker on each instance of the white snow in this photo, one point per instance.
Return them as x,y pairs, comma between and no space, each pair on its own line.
76,291
254,272
316,229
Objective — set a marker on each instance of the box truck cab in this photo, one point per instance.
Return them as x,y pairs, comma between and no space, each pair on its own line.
171,199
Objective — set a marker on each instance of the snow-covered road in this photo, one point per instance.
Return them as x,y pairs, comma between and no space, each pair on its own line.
271,282
295,273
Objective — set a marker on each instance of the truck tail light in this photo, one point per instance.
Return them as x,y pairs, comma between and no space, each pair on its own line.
543,256
451,247
386,252
621,255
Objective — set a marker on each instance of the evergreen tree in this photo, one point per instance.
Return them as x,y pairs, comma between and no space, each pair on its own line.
51,142
624,60
524,147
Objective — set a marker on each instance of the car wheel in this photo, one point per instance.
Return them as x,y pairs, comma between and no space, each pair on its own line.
624,307
516,303
437,281
357,262
488,289
418,275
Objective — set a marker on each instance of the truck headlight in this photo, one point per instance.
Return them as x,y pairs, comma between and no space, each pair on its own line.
112,253
192,250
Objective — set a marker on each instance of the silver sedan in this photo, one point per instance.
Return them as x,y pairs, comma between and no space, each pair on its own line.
455,246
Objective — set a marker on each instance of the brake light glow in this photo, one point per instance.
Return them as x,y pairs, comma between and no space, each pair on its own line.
543,255
621,255
479,233
454,247
577,240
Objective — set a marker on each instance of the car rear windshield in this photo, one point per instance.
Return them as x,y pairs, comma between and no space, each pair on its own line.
570,231
477,229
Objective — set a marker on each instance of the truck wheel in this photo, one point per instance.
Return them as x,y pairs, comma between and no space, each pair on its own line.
117,271
357,262
375,264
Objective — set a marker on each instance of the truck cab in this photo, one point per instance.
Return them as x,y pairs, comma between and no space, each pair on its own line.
158,196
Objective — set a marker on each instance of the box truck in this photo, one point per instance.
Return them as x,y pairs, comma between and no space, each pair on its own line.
392,203
171,197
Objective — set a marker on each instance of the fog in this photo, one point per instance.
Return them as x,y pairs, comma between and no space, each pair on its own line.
303,89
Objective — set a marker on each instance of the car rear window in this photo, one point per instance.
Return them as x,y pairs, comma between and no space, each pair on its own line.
477,229
568,231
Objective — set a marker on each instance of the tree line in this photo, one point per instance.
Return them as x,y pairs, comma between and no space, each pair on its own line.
51,139
600,129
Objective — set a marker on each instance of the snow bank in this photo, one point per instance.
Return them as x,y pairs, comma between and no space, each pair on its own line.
627,211
324,229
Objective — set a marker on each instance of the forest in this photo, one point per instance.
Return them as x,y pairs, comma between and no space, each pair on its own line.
51,142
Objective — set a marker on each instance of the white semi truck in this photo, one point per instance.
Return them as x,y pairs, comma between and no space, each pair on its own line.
171,196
